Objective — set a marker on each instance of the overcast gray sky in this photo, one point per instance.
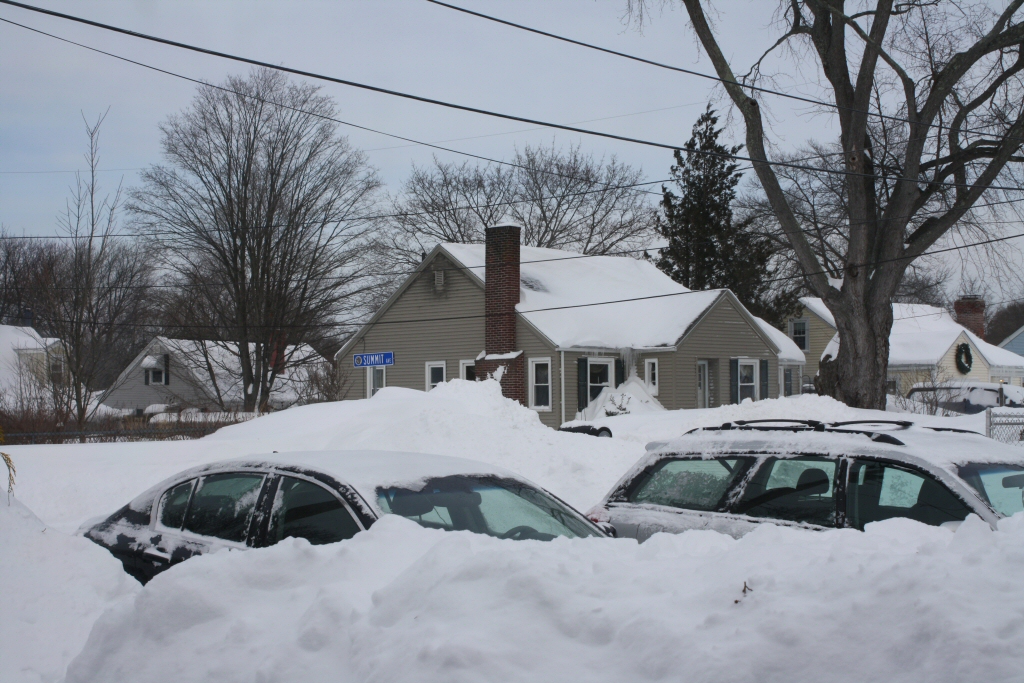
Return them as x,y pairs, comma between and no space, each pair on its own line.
407,45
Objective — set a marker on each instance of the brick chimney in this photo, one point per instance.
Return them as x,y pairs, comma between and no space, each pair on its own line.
970,312
501,294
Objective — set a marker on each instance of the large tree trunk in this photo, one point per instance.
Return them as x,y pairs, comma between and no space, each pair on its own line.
857,375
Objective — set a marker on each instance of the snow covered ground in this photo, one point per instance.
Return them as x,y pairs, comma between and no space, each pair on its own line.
900,602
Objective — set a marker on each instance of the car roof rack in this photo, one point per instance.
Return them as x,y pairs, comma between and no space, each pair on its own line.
798,426
905,424
954,429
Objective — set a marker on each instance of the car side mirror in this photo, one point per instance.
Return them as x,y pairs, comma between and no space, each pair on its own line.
608,528
1014,481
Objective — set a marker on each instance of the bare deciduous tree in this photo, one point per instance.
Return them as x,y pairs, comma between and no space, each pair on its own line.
928,98
91,289
261,215
563,199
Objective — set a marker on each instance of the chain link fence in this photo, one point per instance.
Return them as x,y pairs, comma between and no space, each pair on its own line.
1006,425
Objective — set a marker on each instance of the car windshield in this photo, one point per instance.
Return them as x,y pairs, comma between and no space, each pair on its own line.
999,484
504,508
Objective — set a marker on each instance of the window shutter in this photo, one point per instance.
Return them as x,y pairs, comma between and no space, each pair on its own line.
764,379
145,377
734,380
620,371
582,389
167,368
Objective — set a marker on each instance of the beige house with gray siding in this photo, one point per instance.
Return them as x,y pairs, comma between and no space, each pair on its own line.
558,328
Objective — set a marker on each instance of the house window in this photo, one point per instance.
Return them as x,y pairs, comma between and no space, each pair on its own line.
799,333
435,373
892,386
599,376
651,375
467,370
376,379
748,380
540,383
156,376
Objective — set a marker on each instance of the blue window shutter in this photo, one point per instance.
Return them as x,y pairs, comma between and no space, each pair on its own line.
764,378
620,371
167,368
582,387
734,380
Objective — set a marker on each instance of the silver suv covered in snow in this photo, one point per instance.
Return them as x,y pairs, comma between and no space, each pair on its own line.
814,475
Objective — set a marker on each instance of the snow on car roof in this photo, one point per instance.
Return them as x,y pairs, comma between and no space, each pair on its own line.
553,278
363,470
940,448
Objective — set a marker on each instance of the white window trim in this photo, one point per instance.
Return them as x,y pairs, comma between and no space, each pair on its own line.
807,332
369,378
707,381
652,388
533,362
433,364
756,362
463,364
611,372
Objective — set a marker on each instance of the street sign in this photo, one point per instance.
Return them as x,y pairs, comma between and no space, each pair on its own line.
373,360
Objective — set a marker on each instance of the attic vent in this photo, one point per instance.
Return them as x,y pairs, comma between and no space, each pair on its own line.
439,279
532,284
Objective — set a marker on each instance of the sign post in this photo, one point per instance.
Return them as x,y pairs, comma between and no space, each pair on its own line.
373,360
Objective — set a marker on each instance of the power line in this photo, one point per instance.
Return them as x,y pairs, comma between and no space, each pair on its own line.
699,74
458,107
335,324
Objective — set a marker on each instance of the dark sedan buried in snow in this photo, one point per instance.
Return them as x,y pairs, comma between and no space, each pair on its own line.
325,497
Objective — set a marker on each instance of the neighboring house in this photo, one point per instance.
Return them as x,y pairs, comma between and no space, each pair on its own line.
1014,343
811,329
926,343
27,358
195,374
540,321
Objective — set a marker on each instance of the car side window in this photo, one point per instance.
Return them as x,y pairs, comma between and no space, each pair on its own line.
793,489
223,504
693,484
881,490
174,503
306,510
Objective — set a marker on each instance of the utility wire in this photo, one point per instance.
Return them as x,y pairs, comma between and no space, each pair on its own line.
466,108
699,74
336,324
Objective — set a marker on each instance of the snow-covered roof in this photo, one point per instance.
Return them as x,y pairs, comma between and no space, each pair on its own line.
921,335
789,352
559,280
14,339
818,308
193,356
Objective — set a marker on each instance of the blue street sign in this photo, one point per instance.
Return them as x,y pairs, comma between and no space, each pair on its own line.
373,360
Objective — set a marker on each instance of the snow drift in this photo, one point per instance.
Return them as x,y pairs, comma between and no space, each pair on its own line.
899,602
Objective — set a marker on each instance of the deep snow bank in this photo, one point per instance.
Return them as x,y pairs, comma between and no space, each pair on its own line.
900,602
52,588
67,484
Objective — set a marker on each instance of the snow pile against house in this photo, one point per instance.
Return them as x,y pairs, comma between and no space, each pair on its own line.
52,588
559,290
629,398
900,602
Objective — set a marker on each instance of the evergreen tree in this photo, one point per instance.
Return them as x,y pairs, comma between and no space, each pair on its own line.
707,248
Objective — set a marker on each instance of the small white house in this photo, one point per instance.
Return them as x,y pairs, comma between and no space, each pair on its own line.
183,373
28,358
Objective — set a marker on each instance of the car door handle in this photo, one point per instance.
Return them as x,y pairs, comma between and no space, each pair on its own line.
157,554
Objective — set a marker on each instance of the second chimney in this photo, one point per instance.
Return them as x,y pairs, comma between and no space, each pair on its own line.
970,312
501,288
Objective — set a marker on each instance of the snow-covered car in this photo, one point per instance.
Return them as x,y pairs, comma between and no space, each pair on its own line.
325,497
813,475
966,397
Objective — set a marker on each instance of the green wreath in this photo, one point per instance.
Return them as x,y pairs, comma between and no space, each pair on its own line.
964,358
